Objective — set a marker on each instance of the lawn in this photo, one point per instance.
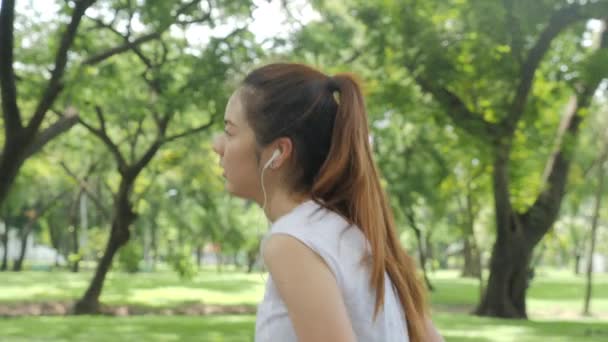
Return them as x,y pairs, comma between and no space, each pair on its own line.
554,301
159,289
455,327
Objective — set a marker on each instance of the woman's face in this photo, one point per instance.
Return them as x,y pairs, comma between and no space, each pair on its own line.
236,148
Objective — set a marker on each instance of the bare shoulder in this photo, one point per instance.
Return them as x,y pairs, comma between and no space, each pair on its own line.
309,290
282,250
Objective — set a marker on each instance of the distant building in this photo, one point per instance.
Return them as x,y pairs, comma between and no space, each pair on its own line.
34,253
600,263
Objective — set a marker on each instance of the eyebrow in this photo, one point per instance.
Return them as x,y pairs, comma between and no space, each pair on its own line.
228,122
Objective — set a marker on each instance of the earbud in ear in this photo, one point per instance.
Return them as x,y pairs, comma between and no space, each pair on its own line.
274,156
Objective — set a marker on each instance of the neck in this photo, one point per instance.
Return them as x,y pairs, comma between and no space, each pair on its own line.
280,204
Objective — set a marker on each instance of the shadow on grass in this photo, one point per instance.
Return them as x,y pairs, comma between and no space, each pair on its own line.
471,328
62,308
142,328
154,289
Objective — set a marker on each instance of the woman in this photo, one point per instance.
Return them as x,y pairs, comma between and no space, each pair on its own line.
296,141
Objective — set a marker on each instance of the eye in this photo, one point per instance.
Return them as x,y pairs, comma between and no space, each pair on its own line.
226,132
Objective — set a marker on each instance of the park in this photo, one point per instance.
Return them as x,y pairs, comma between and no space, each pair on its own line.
488,121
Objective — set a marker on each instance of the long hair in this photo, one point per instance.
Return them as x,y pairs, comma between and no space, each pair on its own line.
326,119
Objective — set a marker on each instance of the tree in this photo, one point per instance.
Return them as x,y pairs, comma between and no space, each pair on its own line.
164,86
481,69
602,160
25,137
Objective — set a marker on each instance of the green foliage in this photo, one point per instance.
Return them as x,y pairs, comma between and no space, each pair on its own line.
182,262
129,257
595,67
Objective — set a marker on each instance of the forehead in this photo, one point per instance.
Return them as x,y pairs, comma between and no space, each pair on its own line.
235,109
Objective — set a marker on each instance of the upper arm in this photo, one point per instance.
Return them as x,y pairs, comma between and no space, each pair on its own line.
309,290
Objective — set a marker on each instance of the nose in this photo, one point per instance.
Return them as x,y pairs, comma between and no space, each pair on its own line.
218,144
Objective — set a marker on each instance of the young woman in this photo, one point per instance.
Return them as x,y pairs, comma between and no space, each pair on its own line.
296,141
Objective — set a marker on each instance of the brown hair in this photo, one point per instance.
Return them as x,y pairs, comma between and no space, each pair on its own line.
333,162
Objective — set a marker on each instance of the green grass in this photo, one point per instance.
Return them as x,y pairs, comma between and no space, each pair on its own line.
554,302
464,328
454,327
134,328
161,289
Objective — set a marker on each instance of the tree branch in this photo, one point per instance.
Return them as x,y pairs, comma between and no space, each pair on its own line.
126,39
10,109
151,151
63,124
457,110
513,27
145,159
190,131
48,205
185,7
84,185
560,20
54,86
103,136
132,45
141,195
133,141
545,209
121,48
102,121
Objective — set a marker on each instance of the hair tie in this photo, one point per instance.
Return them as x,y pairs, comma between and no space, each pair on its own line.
333,85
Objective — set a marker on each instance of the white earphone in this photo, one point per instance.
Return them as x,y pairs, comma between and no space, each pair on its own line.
274,156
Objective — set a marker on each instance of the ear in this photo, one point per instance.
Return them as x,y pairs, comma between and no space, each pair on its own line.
284,145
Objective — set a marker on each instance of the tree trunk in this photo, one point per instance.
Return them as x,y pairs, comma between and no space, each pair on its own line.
75,267
505,293
472,262
596,216
251,258
154,245
54,236
472,257
123,218
421,252
145,244
25,233
577,261
199,255
74,230
4,266
10,163
430,255
22,141
578,244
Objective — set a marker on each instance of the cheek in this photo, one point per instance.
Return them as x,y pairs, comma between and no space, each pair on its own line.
241,169
239,158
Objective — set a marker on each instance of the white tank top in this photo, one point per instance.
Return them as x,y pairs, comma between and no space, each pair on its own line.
342,247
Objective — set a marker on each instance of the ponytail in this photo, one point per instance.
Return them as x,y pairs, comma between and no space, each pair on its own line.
349,183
